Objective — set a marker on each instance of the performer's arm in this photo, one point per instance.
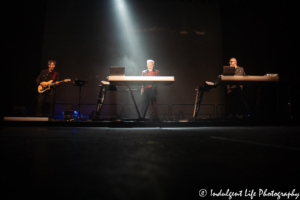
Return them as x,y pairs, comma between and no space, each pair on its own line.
142,89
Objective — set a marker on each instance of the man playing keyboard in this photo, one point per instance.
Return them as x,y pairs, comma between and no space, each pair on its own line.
149,92
233,92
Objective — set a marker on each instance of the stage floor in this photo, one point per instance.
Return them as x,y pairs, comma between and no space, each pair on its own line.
130,123
147,163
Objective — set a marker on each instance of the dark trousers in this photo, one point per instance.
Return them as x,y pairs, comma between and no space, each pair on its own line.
42,97
149,94
234,102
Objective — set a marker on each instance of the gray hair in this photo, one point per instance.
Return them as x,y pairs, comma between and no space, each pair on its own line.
150,61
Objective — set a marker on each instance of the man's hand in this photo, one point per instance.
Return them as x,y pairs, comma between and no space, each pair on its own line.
57,83
43,84
142,91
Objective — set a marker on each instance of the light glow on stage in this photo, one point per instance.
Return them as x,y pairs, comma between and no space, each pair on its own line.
131,45
120,4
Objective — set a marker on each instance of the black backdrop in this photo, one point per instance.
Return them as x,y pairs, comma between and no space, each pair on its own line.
262,38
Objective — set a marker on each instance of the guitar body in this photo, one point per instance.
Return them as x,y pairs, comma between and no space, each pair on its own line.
41,89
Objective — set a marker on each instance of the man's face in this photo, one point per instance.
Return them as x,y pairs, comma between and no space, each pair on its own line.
233,62
150,66
51,66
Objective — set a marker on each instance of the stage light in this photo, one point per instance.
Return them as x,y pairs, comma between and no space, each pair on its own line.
120,4
130,43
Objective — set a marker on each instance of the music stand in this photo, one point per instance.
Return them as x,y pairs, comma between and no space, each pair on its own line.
79,82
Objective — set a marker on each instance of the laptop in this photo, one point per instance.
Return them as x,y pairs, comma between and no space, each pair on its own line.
227,70
117,71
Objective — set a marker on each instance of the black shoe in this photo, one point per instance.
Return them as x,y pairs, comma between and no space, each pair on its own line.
50,119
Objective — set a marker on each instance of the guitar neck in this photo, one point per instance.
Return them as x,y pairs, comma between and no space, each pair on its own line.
55,83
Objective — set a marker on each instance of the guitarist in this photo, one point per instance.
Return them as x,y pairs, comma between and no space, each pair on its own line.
45,76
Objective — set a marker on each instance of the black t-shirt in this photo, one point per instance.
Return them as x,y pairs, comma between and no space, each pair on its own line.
46,76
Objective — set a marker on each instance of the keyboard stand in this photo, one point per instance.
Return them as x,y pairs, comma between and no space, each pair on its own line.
102,93
199,96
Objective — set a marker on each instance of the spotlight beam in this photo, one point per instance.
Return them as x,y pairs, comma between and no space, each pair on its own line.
126,20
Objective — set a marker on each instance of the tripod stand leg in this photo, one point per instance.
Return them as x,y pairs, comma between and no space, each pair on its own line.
199,96
137,110
100,100
79,101
242,96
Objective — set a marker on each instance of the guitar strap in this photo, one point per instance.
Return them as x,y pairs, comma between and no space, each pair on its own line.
54,75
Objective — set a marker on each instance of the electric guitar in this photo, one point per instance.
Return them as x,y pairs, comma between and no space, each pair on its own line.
42,89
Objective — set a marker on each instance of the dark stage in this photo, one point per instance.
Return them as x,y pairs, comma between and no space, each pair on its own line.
147,163
114,152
